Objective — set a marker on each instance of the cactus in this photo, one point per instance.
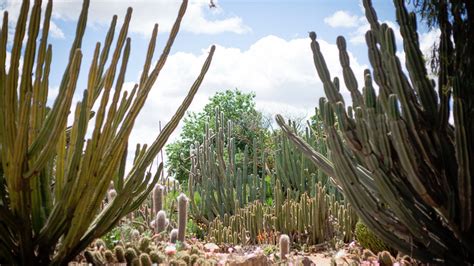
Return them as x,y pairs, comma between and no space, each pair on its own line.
174,235
160,222
322,216
157,199
401,165
367,239
144,244
109,256
145,259
284,244
219,177
119,254
130,255
182,216
57,176
385,259
93,257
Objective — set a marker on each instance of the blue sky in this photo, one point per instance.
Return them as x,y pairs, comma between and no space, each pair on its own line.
262,47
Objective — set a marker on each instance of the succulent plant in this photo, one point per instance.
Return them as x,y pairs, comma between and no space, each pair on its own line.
385,259
145,259
130,255
174,235
182,216
109,256
400,163
284,246
160,222
120,254
144,243
56,173
158,198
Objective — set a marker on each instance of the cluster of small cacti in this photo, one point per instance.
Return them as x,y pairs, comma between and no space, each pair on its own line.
360,256
312,220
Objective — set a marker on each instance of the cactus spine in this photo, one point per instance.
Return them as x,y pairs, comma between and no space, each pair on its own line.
182,216
284,246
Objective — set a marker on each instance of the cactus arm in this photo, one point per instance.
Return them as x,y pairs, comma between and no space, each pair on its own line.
320,160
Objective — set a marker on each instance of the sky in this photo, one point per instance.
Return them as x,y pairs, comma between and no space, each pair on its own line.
262,46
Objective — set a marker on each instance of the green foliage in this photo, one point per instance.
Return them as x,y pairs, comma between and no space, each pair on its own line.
403,167
236,106
54,177
367,239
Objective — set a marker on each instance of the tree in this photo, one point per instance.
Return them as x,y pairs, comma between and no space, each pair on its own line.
236,106
403,167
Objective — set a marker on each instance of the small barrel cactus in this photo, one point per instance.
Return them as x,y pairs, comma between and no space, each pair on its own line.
130,255
144,243
157,198
284,246
109,256
385,259
174,235
145,260
135,235
160,222
119,254
182,216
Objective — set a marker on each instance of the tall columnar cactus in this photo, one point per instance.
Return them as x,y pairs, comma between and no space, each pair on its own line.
221,175
316,219
182,216
54,177
158,198
401,165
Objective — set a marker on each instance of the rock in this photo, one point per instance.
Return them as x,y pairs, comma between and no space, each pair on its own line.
211,247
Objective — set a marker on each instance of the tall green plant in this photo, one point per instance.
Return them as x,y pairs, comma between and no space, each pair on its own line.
402,166
52,178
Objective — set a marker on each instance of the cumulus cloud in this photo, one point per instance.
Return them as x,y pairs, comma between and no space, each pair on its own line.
281,73
342,19
198,19
146,13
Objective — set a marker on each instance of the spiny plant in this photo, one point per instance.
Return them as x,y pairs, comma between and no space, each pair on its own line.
53,178
403,167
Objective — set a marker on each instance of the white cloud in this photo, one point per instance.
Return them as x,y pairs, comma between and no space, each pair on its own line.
280,72
342,19
146,13
55,31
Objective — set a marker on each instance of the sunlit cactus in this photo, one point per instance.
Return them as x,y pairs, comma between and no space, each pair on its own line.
157,199
402,166
56,175
174,235
160,222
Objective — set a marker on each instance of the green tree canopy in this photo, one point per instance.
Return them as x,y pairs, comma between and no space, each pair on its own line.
236,106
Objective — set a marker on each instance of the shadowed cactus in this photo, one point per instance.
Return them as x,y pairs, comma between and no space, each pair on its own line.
402,166
54,177
174,235
119,254
145,259
157,199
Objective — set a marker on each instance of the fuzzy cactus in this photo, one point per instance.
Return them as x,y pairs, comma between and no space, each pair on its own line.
119,253
385,259
144,244
93,257
174,235
135,235
182,216
145,260
109,256
284,246
158,198
130,255
160,221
